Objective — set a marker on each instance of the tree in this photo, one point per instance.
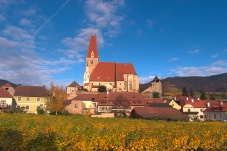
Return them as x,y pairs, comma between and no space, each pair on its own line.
155,95
121,102
203,96
212,97
56,95
102,88
184,91
191,92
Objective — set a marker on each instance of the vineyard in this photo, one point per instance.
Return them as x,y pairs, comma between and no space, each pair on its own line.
41,132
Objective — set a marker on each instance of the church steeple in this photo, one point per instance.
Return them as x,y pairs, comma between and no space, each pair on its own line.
92,49
92,57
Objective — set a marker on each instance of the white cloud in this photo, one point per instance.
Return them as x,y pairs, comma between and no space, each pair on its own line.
214,56
146,79
174,59
215,68
26,22
194,51
103,14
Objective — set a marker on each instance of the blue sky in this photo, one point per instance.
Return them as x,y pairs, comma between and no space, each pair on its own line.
43,41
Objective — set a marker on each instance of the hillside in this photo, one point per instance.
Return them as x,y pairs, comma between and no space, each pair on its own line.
3,82
173,85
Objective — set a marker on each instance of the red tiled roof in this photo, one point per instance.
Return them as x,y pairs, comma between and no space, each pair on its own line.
222,108
160,112
203,103
87,96
4,93
6,85
30,91
92,47
74,84
104,71
111,71
124,68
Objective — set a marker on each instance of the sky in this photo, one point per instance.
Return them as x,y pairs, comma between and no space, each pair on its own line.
47,40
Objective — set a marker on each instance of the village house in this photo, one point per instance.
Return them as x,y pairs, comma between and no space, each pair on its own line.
73,88
216,113
6,100
116,77
9,88
30,98
192,107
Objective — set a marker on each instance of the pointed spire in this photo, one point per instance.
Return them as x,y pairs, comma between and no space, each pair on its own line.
92,49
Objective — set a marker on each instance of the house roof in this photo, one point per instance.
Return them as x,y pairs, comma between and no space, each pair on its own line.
222,108
4,93
111,71
148,101
92,47
155,79
104,98
160,105
160,112
74,84
203,103
6,85
30,91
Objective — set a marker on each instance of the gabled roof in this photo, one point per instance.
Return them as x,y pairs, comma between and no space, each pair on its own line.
160,105
124,68
104,71
155,79
6,85
92,47
4,93
30,91
159,112
74,84
87,96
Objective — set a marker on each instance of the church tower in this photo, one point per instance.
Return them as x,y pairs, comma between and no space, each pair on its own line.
92,58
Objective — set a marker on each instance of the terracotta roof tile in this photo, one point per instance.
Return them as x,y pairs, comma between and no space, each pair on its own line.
4,93
104,71
30,91
74,84
160,112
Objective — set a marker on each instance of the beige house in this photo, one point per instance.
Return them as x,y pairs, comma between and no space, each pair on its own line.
116,77
195,108
73,88
30,97
175,105
6,100
155,86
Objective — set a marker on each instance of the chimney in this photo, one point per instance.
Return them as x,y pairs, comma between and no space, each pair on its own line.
175,98
187,98
208,104
198,99
192,100
221,103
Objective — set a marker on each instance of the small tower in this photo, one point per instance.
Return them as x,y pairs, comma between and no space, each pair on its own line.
92,57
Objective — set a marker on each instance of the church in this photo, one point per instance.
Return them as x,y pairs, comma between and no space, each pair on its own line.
116,77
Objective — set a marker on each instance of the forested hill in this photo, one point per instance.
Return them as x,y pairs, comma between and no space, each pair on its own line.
214,83
3,82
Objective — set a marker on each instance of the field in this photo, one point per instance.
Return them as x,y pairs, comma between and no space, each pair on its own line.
41,132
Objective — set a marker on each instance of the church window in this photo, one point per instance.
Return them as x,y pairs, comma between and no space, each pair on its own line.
91,61
125,85
92,54
130,85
